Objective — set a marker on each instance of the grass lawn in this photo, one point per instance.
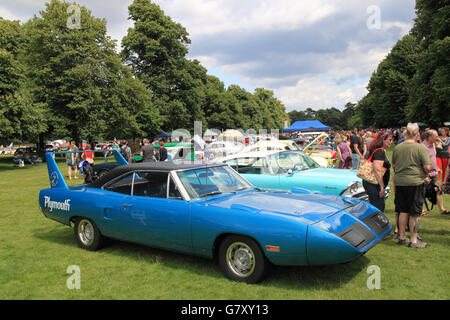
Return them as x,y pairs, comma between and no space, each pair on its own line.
35,253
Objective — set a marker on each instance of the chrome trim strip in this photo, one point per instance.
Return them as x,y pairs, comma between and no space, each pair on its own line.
179,184
132,183
168,186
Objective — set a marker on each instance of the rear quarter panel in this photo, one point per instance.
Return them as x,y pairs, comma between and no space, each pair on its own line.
83,202
49,203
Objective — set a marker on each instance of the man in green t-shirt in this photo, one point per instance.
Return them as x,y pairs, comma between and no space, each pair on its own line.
411,165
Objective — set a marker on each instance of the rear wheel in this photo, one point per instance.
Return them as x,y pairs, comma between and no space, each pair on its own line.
242,260
87,234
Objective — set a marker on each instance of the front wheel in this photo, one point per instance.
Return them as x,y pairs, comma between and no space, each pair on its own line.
242,260
87,234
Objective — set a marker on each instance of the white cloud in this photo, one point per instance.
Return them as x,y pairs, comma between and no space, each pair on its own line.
311,53
7,14
205,17
318,92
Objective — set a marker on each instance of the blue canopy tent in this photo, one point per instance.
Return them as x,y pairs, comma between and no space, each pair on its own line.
307,125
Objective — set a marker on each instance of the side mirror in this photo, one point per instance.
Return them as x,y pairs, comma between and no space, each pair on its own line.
290,172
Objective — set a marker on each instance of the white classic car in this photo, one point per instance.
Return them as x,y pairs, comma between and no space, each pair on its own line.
220,149
281,145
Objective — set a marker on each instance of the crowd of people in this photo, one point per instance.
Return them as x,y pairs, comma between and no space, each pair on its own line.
151,154
420,162
84,153
74,158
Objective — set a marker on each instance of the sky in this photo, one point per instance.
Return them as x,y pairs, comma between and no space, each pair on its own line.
312,54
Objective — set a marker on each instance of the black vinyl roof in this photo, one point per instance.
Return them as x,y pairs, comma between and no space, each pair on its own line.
164,166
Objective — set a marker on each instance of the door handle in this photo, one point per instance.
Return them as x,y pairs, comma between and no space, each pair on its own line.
127,205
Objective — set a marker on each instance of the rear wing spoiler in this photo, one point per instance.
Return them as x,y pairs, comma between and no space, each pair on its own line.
56,178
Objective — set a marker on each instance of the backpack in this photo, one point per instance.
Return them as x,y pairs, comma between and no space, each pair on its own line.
431,191
90,175
88,172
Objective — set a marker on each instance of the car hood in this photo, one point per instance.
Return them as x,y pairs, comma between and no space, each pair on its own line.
309,207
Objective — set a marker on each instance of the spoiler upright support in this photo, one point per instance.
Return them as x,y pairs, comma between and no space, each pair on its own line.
56,178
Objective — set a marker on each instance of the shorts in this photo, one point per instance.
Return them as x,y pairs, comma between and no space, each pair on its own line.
410,199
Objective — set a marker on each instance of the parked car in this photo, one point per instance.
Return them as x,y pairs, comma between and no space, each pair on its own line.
281,145
175,151
28,155
318,149
271,145
209,210
220,149
62,145
294,169
51,148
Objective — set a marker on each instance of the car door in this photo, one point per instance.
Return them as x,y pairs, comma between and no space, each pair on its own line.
160,216
116,204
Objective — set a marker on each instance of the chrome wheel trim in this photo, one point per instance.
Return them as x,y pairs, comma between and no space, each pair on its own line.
241,259
86,232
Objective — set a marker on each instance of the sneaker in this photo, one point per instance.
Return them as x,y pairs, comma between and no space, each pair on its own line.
396,235
405,242
418,245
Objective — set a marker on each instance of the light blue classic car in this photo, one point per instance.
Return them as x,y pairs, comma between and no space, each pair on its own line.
295,169
211,211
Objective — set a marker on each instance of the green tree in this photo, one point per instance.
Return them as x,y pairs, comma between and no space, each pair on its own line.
413,82
331,117
274,111
385,105
429,92
10,72
310,113
156,49
252,113
295,116
80,78
20,117
221,108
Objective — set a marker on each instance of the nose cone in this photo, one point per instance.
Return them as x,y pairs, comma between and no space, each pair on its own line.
326,248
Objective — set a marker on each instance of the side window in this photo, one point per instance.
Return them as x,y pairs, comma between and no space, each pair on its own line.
174,193
150,184
249,165
121,186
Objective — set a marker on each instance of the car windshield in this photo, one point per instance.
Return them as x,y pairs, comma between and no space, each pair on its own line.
295,161
205,182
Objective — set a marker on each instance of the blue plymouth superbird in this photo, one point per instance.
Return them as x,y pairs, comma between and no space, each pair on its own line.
209,210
